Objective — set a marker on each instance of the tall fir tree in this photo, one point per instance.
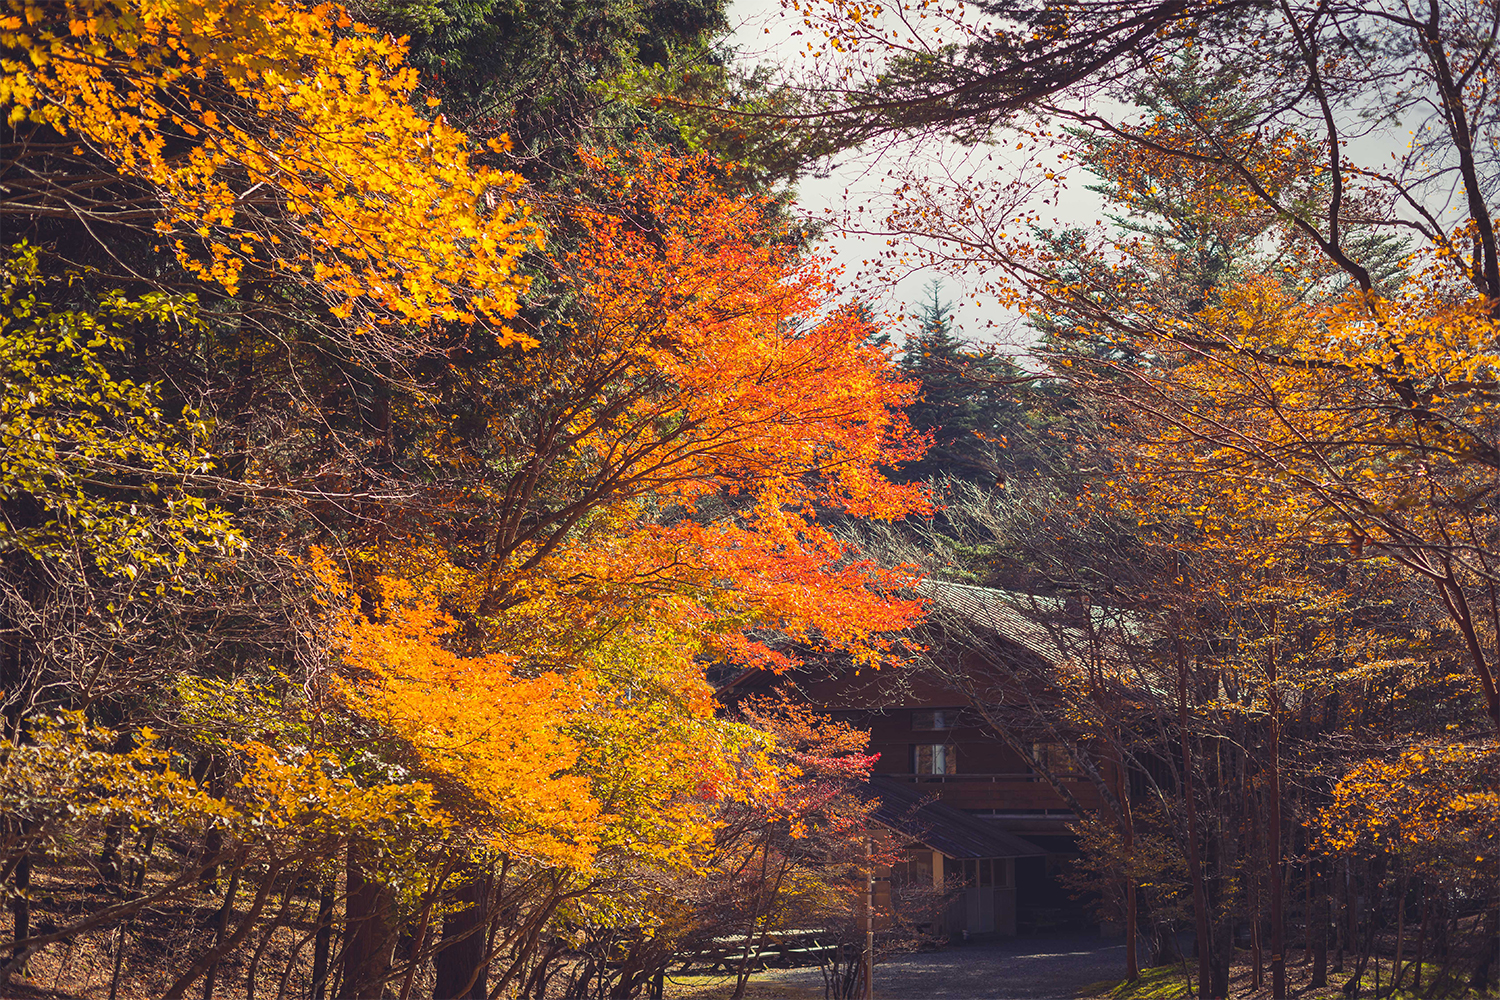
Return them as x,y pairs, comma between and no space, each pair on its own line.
966,406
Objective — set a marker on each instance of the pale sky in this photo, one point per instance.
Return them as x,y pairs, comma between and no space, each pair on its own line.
858,188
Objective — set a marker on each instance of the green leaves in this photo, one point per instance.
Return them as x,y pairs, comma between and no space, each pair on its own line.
94,477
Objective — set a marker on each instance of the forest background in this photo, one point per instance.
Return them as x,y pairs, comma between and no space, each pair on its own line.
409,407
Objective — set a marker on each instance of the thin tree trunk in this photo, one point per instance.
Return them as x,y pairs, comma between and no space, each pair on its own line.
1479,981
1416,980
1341,904
1127,832
1307,911
148,847
1317,927
1195,866
1351,986
267,937
1253,878
743,973
109,855
1257,958
21,908
114,977
221,926
1443,931
206,962
1273,840
1400,934
324,939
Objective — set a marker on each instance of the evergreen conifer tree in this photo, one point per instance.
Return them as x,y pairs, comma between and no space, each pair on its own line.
964,404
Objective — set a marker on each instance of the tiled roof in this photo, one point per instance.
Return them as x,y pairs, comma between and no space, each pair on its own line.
907,807
1043,625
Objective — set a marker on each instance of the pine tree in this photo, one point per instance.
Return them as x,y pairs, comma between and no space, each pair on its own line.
964,406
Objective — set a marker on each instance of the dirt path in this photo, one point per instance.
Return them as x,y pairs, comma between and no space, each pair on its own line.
1025,968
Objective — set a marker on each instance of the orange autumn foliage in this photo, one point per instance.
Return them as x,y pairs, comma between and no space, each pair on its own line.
1434,795
732,403
618,760
715,406
473,720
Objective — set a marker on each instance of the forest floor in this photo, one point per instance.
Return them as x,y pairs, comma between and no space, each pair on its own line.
1171,983
1053,967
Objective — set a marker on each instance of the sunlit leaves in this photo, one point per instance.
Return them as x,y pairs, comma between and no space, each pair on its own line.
472,720
92,470
1433,796
277,138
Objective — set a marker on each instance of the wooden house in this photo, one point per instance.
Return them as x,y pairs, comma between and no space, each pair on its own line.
979,818
968,859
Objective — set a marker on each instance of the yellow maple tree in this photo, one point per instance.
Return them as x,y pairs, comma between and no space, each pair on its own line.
264,136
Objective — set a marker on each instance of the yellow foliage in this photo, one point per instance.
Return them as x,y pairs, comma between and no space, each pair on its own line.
279,137
472,719
93,451
1363,418
290,804
1433,795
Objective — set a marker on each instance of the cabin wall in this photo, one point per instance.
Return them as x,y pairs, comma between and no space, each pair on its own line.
982,774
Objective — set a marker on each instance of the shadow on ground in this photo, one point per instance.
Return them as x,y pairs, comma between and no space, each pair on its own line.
1054,967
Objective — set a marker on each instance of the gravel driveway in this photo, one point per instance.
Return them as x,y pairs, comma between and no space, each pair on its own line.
1022,968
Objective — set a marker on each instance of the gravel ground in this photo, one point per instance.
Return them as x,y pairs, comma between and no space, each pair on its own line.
1023,968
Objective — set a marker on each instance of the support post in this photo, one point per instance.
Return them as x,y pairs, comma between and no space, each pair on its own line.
869,919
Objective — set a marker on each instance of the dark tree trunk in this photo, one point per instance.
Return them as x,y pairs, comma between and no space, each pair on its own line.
1317,926
1127,831
1352,985
1341,904
109,856
119,959
1416,982
1273,841
323,941
369,933
1195,866
1166,951
213,842
221,927
461,966
1227,851
1479,982
21,906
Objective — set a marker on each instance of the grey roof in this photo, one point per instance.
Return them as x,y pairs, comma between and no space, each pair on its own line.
1042,625
907,807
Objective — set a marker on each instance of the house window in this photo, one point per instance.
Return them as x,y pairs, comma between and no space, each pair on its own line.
981,873
927,719
1055,758
933,758
919,868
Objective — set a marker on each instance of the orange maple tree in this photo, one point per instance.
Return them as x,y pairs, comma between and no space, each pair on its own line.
655,496
704,406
